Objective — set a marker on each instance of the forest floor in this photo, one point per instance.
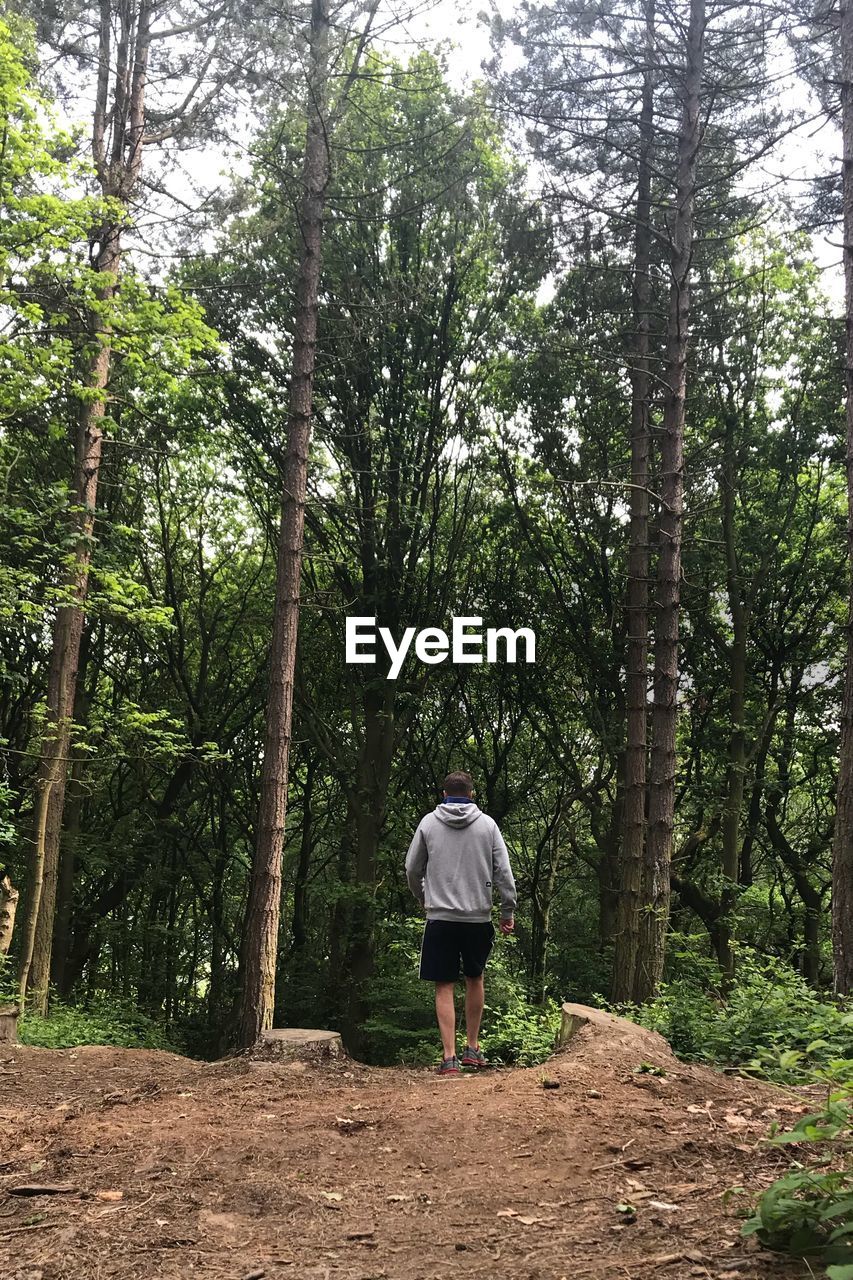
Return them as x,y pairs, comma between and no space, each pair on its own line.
236,1170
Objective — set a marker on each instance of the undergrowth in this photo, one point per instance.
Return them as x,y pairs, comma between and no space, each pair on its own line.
103,1021
768,1022
808,1212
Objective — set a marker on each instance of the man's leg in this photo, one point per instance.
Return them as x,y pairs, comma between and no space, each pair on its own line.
445,1011
474,998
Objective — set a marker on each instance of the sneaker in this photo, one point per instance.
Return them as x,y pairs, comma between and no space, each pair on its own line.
449,1067
473,1058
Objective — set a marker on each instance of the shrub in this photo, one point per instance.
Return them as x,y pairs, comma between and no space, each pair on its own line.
106,1022
768,1022
522,1034
809,1211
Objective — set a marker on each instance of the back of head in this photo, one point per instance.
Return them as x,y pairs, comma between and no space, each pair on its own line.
457,809
459,784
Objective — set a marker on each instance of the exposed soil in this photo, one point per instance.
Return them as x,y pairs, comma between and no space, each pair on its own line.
247,1170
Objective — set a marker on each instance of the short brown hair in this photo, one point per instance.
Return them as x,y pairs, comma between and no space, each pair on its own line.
459,784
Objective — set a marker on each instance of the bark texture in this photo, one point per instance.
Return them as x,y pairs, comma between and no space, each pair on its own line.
658,859
636,750
9,1025
842,847
8,909
736,769
260,936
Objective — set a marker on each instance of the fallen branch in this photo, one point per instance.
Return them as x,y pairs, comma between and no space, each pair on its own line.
657,1260
48,1189
35,1226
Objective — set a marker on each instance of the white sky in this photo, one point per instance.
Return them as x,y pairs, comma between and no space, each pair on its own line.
789,169
454,24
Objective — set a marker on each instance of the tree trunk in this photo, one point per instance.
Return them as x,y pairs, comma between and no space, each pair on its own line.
637,675
74,801
154,940
842,846
41,905
36,883
8,907
216,912
117,174
8,1024
368,811
606,827
260,936
170,944
66,797
813,915
653,923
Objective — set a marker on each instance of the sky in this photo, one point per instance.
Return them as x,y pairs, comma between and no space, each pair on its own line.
457,26
815,148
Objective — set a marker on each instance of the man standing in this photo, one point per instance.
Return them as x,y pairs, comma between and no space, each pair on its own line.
456,859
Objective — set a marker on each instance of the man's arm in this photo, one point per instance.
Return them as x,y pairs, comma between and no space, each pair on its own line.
416,860
502,877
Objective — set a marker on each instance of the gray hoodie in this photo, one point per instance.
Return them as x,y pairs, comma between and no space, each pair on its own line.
455,860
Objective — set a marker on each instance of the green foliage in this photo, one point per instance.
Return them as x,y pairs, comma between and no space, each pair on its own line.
809,1211
7,817
104,1021
43,232
769,1021
404,1030
519,1033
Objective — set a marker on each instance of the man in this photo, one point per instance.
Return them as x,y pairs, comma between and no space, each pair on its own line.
456,859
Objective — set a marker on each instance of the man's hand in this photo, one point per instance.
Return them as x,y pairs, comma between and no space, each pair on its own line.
507,926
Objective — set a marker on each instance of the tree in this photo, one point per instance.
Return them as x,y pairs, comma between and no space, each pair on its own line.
662,763
39,245
633,816
260,934
760,595
122,126
606,106
842,852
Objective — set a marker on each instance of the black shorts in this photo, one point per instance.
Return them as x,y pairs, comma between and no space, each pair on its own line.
447,942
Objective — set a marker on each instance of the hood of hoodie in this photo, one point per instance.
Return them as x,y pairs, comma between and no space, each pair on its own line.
458,815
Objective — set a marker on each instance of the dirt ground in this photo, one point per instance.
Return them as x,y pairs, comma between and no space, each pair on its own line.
176,1169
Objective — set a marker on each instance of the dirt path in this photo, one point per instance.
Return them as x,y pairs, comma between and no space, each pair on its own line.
238,1170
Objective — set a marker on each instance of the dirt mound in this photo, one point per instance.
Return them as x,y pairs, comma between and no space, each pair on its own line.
173,1169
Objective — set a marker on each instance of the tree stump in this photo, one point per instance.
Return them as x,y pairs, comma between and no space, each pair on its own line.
574,1017
9,1024
613,1035
295,1044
